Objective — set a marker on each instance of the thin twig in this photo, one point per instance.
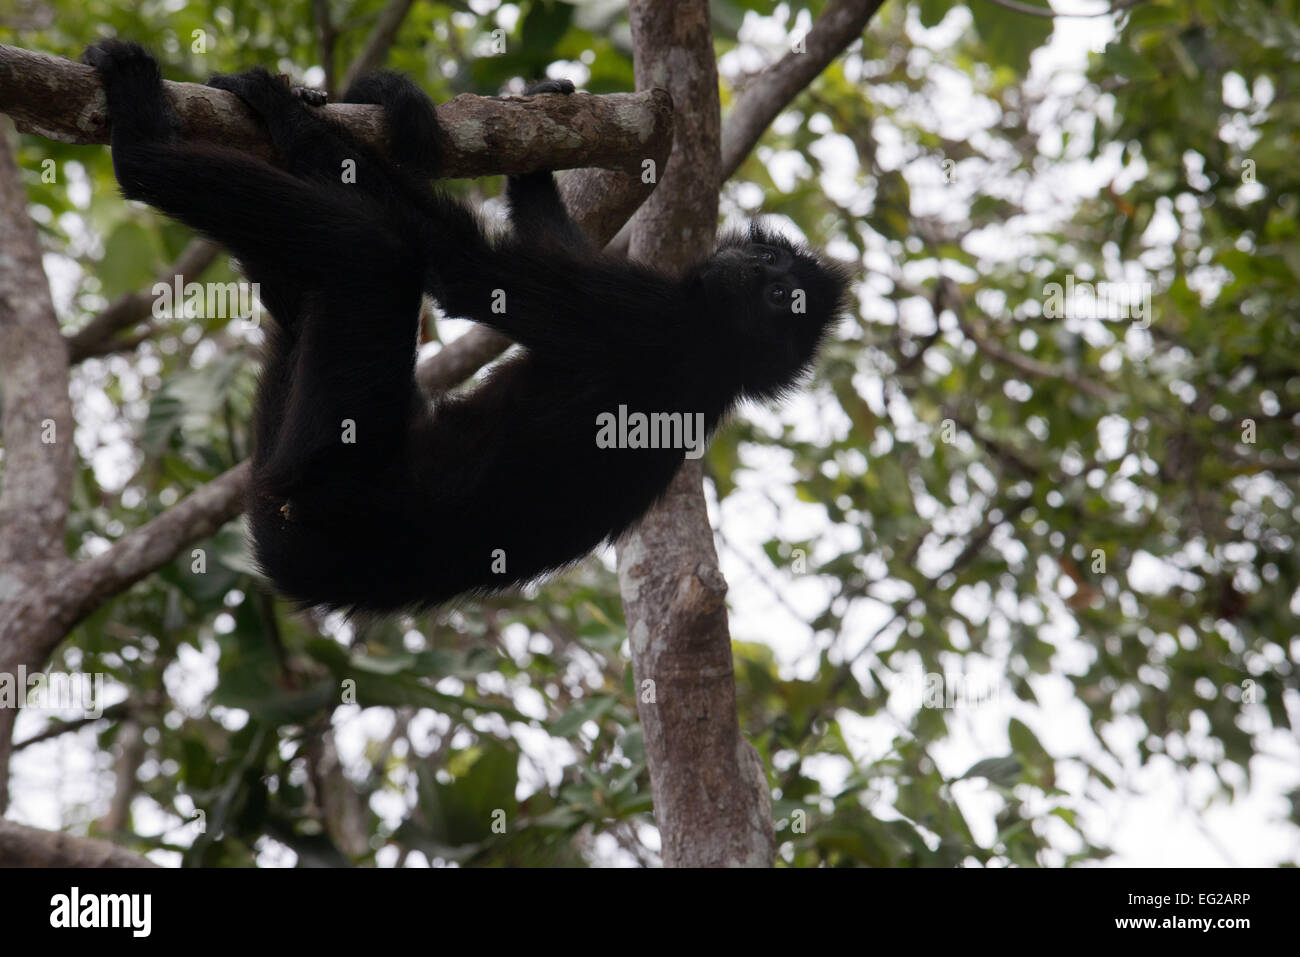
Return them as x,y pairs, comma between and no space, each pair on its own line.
1053,14
328,36
378,42
64,727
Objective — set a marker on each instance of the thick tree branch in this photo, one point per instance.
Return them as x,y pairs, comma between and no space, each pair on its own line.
22,846
62,100
152,545
764,97
459,359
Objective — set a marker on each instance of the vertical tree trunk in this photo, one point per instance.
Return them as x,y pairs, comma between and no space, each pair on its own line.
37,429
711,796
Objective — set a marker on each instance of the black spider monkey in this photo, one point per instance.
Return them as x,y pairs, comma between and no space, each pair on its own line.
363,495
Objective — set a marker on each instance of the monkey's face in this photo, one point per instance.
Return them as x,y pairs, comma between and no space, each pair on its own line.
770,304
760,275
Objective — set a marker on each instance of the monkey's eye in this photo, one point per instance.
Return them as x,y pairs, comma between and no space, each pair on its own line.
767,257
777,295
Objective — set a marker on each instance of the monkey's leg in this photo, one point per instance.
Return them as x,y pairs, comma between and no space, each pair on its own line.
335,249
322,151
265,216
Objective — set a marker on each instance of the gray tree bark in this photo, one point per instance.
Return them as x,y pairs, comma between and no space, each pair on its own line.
62,100
712,800
38,452
711,796
22,846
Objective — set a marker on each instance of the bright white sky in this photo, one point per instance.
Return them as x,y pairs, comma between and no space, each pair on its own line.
1159,819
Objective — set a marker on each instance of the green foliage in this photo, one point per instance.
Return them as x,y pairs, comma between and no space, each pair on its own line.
1019,503
1009,36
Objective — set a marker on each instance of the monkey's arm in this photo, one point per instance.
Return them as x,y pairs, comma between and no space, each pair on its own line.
555,303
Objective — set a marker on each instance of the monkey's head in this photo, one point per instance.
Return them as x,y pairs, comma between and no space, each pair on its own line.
770,304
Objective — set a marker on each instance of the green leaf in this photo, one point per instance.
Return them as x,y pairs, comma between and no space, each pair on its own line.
465,810
592,709
1009,37
543,26
129,255
1000,771
932,12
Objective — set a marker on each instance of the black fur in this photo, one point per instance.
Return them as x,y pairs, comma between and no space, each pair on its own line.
411,513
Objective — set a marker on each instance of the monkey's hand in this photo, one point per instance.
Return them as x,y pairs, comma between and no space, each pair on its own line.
310,96
549,86
137,108
261,90
121,61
